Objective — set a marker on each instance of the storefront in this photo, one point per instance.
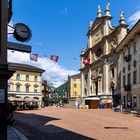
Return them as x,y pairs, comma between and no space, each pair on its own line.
92,102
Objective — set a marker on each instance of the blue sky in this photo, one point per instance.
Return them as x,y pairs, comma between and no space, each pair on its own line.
59,27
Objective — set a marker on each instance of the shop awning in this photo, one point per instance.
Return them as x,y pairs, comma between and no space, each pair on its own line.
92,98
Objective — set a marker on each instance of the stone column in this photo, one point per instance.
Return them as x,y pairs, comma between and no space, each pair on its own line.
89,82
82,84
106,80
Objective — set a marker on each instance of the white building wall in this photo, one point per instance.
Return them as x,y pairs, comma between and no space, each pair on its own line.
135,56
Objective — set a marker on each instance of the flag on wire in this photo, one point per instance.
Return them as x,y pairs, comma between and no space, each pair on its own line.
86,61
33,57
54,58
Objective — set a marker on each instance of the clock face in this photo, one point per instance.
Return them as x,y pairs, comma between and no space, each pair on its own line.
22,32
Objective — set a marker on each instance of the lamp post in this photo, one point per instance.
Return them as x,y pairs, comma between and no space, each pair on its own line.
3,67
5,74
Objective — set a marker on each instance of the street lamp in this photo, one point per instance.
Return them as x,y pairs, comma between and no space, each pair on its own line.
5,74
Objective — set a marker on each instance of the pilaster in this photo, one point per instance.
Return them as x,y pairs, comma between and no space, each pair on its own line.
106,79
82,84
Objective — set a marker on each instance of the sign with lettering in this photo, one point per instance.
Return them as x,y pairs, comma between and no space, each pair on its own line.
2,96
18,47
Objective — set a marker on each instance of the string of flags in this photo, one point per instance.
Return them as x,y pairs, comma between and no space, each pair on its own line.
34,57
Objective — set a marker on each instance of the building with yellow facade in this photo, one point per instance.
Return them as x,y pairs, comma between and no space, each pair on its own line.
26,82
75,86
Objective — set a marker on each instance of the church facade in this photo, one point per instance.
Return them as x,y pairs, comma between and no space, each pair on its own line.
99,60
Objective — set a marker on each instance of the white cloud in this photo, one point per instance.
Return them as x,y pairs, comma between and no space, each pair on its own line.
54,73
134,18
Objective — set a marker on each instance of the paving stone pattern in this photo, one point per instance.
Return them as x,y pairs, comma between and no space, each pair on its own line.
54,123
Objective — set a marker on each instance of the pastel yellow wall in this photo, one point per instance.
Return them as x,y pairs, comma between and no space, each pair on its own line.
23,81
75,89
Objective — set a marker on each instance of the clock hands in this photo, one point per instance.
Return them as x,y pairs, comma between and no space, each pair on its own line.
24,31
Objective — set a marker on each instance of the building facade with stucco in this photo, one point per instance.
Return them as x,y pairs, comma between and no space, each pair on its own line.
129,68
98,60
75,86
26,82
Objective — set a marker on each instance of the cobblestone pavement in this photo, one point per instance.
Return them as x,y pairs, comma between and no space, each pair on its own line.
54,123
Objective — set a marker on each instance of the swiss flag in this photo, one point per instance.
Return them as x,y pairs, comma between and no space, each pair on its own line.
86,61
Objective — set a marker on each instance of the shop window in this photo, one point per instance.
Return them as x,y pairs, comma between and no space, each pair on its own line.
129,101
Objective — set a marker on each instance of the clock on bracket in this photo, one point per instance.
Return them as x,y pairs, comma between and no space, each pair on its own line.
22,32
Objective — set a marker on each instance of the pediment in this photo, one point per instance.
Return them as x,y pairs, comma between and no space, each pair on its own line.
97,22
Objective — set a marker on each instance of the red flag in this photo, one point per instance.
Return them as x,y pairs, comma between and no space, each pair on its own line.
54,58
33,57
86,61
